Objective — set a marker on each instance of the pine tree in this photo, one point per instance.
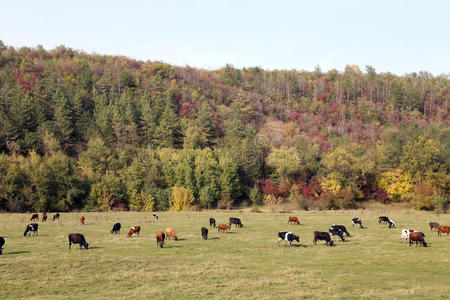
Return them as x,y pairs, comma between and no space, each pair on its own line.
169,129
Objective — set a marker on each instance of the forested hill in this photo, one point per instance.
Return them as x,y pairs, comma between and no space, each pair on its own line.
90,131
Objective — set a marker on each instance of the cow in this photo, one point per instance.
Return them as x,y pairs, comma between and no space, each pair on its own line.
341,228
391,223
235,221
2,242
134,230
294,220
434,225
155,217
417,237
56,217
160,236
78,238
223,227
204,233
357,221
338,232
323,236
82,219
116,228
170,233
286,236
212,222
443,229
383,219
31,227
405,234
44,217
34,217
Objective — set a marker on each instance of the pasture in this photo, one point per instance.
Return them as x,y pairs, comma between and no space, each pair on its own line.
243,264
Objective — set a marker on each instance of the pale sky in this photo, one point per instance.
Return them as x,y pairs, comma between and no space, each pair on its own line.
396,36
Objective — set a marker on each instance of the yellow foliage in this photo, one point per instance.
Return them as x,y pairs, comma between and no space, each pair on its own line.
272,202
181,199
147,201
330,184
398,185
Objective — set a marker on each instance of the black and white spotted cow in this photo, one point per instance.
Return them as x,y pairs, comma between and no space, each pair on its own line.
357,221
337,232
31,227
341,228
391,223
2,242
287,237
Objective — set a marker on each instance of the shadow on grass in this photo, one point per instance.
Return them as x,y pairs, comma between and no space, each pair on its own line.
17,252
181,239
213,238
95,247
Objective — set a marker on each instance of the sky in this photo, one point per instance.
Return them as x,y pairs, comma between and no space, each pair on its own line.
391,36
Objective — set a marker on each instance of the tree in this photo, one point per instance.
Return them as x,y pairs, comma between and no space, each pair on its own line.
169,130
181,199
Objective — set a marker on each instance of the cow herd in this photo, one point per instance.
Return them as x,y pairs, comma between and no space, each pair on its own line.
285,237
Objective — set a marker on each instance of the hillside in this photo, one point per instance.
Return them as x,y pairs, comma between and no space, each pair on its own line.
89,131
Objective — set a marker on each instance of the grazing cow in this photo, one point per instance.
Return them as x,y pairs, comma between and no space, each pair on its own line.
383,219
204,233
56,217
34,217
155,216
170,233
294,220
31,227
443,229
434,225
357,221
116,228
134,230
323,236
405,234
82,219
44,217
288,237
391,223
235,221
417,237
160,236
223,227
2,242
341,228
77,238
338,232
212,222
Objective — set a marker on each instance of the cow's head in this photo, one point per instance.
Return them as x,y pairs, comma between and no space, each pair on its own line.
161,243
241,225
175,238
296,238
424,244
331,242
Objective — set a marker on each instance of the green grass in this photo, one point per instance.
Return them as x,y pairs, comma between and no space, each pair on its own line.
246,263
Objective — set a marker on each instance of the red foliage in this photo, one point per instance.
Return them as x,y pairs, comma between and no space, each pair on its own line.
187,109
268,186
382,196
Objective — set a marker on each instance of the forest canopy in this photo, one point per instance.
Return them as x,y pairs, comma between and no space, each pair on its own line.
90,131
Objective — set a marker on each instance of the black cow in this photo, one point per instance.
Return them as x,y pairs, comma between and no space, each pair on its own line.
31,227
77,238
341,228
383,219
56,217
357,221
236,221
286,236
212,222
204,233
337,232
2,242
116,228
434,225
323,236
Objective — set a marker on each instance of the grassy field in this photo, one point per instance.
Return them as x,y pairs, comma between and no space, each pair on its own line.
246,263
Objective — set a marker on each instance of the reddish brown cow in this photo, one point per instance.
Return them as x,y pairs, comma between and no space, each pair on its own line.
170,233
223,227
134,230
293,220
443,229
34,217
44,218
417,237
160,236
82,219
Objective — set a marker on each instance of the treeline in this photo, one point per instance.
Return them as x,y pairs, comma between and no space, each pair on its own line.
87,131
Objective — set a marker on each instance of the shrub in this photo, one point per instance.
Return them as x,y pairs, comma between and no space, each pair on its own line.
440,203
160,197
272,202
225,201
255,196
181,199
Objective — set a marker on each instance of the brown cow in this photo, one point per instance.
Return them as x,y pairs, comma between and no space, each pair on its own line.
160,236
34,217
293,220
223,227
417,237
134,230
170,233
444,229
82,219
44,217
